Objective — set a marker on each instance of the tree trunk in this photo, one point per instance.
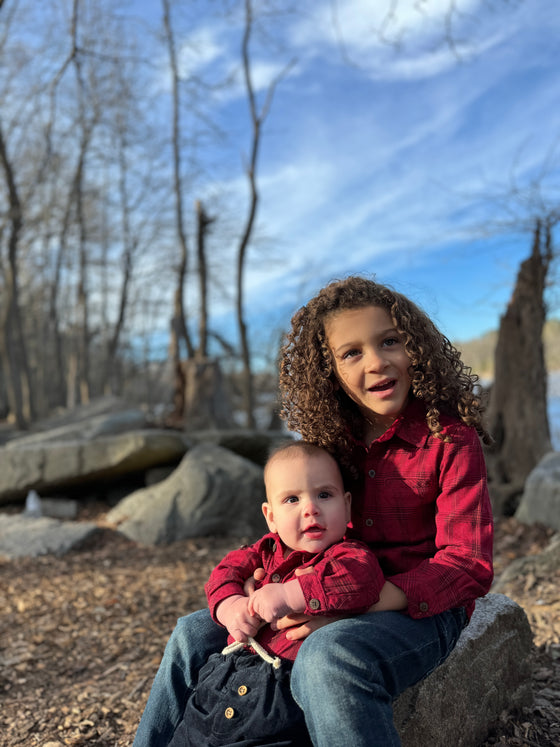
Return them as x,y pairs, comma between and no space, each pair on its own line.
13,345
517,413
206,399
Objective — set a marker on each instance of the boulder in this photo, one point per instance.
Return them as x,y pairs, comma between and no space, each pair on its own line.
23,536
251,444
212,491
540,502
51,465
488,672
83,426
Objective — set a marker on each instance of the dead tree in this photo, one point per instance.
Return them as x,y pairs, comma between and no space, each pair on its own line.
517,413
206,403
12,342
257,117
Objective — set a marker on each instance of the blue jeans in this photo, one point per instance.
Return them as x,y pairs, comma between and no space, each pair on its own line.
345,677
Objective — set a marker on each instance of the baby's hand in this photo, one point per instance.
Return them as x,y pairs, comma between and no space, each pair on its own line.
273,601
251,583
233,613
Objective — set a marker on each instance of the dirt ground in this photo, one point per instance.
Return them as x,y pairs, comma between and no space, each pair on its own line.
81,636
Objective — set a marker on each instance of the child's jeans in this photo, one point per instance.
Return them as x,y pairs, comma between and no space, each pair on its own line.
345,676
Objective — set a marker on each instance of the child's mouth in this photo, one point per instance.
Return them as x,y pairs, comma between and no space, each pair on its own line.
314,531
384,386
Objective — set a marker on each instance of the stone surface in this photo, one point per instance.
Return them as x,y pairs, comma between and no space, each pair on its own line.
540,502
22,536
212,491
489,671
253,445
51,466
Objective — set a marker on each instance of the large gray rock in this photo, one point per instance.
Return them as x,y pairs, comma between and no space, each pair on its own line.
540,502
251,444
212,491
51,466
83,425
22,536
489,671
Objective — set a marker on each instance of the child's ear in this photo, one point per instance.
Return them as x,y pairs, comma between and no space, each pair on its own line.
348,501
269,516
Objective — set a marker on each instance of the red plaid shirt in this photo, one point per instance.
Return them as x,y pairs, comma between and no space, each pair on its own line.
346,578
423,508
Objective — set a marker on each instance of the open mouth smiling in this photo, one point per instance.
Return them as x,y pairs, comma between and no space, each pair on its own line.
383,386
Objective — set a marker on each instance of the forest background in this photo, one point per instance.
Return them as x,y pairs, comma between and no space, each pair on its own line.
164,214
177,177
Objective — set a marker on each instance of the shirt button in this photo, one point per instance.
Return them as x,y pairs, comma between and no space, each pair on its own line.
424,606
275,578
369,522
242,690
229,712
371,473
314,604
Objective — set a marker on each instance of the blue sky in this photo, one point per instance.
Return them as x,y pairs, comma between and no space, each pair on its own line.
382,156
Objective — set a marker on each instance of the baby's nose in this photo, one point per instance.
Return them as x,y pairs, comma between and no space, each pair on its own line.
311,507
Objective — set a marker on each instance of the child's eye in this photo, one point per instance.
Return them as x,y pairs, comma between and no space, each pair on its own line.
390,341
324,494
350,353
291,499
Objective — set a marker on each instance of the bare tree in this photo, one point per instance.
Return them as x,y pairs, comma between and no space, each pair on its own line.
258,117
517,415
12,344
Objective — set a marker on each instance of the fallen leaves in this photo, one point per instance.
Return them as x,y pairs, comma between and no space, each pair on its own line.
82,636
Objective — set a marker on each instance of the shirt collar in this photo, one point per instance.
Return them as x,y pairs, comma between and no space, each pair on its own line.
410,426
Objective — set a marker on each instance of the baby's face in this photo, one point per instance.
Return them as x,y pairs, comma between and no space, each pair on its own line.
307,504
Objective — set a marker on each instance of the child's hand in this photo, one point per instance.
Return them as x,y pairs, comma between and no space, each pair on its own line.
233,613
298,627
250,584
273,601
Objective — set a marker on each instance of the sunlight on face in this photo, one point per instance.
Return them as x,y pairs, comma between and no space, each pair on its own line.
307,505
371,363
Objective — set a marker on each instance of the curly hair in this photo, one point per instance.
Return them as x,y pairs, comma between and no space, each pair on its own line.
314,406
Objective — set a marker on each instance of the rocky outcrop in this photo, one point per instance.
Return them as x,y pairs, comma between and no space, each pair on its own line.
540,502
48,465
212,491
24,536
488,672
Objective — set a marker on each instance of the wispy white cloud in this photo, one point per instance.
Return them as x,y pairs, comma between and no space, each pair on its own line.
406,40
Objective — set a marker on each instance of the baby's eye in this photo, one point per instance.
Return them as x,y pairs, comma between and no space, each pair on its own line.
324,494
291,499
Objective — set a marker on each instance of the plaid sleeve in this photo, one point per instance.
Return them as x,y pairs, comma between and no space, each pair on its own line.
347,579
230,574
461,569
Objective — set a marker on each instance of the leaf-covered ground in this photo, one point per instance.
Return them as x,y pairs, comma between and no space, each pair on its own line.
81,636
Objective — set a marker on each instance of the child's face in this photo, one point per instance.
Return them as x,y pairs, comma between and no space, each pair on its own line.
307,505
371,364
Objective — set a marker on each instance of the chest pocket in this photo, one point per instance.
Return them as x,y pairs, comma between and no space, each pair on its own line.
394,507
404,491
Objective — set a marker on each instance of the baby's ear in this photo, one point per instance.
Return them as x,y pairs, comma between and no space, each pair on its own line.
269,516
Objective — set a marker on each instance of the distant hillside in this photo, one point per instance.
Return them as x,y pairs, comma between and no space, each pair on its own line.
479,353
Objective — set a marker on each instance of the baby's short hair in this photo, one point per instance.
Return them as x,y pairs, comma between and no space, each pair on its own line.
293,447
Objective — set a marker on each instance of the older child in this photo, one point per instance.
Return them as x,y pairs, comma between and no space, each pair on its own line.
239,698
366,374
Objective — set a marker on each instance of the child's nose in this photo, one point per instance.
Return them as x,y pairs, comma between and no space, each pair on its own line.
310,508
375,360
